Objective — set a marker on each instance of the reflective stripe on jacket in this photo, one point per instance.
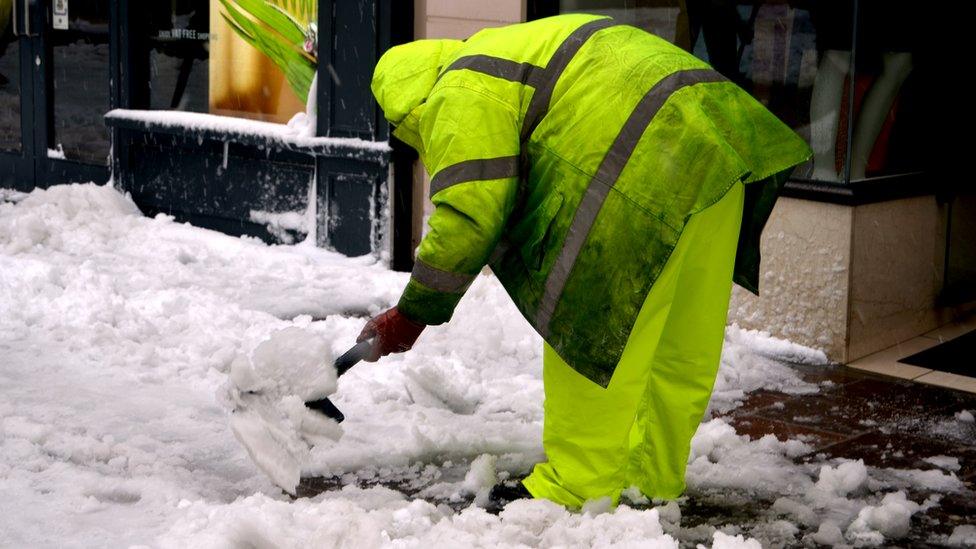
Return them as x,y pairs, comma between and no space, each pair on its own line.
568,153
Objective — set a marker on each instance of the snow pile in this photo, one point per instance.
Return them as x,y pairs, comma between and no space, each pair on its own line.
303,124
890,519
843,479
753,360
42,219
481,478
10,195
282,225
720,458
125,341
944,462
379,517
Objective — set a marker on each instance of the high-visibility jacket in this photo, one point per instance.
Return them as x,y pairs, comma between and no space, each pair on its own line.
568,153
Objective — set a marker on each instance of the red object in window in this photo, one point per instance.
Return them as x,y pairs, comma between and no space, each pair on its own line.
878,159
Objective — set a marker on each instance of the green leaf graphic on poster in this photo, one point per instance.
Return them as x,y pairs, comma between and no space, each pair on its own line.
276,29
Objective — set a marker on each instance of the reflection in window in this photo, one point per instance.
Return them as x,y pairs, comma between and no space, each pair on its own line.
9,82
179,35
795,58
80,65
229,57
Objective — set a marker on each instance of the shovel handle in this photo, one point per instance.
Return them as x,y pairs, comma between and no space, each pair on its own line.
342,364
352,357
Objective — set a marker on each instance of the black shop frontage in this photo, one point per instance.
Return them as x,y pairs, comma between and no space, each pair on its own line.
246,116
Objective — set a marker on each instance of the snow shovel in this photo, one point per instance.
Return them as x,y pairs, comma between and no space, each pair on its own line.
342,364
268,432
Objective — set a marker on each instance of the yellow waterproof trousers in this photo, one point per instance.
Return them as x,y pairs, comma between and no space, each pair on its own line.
637,431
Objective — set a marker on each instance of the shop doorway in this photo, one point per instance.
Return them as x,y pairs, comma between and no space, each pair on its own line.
55,87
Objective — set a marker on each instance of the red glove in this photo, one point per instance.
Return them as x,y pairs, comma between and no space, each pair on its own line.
393,333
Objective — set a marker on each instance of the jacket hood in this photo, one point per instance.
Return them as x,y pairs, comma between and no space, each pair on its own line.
404,77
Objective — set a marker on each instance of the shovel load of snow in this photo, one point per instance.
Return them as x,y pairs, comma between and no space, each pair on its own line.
268,389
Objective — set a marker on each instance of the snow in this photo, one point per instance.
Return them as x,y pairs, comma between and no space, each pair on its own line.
828,533
10,195
725,541
290,362
963,536
280,224
57,152
268,389
126,343
481,477
944,462
843,479
294,133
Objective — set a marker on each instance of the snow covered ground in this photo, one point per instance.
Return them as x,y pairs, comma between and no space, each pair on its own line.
117,334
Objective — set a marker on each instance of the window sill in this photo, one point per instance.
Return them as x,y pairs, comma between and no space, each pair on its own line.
248,132
858,193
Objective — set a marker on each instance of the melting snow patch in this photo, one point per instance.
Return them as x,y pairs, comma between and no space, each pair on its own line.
283,224
889,519
932,479
725,541
963,536
944,462
481,478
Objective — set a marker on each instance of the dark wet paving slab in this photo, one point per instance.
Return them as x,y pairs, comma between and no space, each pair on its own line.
890,423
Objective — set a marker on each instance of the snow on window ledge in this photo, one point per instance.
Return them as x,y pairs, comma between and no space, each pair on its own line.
254,132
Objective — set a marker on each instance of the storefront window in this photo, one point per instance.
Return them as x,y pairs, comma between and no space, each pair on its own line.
9,81
796,58
246,58
80,67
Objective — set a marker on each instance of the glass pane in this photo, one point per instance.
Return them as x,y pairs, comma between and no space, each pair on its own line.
179,40
9,83
890,80
665,18
81,84
795,61
252,60
248,76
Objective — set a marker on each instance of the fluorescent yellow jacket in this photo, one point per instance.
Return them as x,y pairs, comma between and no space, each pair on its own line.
569,153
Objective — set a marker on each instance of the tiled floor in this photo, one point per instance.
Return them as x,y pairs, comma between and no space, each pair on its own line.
886,361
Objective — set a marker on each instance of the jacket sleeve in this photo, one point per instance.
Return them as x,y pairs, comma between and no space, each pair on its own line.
471,150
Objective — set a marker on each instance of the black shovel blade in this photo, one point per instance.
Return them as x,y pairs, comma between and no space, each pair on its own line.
325,406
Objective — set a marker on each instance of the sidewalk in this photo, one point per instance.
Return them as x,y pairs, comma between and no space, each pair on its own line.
891,424
886,421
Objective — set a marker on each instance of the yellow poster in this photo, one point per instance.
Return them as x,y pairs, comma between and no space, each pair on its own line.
261,57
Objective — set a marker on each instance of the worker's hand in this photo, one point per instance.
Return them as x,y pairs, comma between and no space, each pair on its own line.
392,333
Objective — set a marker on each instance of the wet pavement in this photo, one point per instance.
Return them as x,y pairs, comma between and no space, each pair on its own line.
889,423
